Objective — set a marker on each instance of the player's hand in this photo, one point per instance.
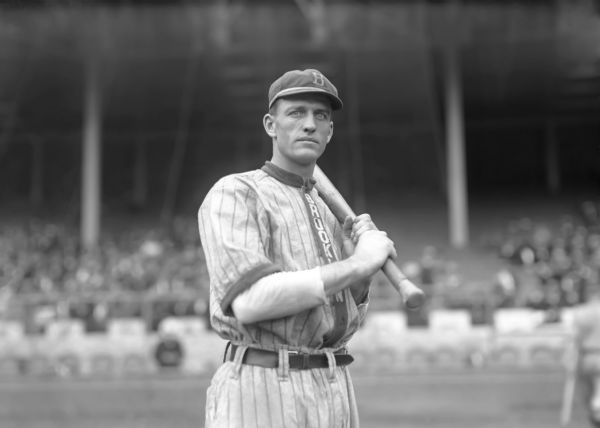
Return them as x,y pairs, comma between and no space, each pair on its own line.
372,249
360,225
353,228
348,245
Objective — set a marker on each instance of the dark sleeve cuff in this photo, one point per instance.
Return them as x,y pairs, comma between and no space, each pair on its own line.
243,284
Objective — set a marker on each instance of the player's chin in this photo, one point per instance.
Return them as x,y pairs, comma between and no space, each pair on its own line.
308,155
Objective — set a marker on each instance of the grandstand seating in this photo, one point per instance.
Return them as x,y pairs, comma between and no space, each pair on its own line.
130,346
39,365
100,364
516,335
67,364
64,330
126,329
456,337
517,320
10,331
521,338
450,321
384,343
182,326
12,348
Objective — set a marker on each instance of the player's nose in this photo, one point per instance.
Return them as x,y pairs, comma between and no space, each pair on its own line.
310,123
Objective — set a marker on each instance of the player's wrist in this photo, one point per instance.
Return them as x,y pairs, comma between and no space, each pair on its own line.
360,267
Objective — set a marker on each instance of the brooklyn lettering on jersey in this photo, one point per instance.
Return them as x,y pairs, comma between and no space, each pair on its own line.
321,233
320,229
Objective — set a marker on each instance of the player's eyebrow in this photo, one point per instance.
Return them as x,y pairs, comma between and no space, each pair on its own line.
295,107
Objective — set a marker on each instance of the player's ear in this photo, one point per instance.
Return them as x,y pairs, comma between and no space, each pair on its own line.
330,131
269,125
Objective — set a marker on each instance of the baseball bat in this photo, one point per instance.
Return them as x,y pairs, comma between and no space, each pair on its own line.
412,296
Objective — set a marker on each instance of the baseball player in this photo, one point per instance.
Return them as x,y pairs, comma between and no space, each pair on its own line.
586,322
288,284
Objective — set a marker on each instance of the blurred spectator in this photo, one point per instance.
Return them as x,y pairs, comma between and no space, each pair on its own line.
38,258
46,258
590,213
547,267
431,268
505,288
559,264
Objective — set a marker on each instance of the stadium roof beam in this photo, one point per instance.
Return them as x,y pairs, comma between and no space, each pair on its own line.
456,171
455,155
95,45
91,157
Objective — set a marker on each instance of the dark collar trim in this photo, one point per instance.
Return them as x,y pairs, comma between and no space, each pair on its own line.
287,177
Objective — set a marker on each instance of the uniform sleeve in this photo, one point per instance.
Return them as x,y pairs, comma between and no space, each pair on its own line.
233,239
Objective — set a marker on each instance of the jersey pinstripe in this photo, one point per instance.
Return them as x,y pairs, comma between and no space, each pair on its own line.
251,224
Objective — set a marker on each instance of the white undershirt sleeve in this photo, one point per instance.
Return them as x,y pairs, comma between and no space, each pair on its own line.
279,295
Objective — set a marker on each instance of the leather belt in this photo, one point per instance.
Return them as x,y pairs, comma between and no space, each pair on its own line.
297,361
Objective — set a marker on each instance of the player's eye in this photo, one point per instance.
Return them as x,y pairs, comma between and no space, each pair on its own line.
322,116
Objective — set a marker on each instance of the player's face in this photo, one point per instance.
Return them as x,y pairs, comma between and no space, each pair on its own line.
301,127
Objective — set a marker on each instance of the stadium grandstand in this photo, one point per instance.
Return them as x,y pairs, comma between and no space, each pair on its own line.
470,131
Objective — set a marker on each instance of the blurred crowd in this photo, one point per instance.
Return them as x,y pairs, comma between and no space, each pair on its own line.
550,267
42,257
547,267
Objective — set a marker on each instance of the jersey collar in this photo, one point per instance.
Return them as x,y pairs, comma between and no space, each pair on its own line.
287,177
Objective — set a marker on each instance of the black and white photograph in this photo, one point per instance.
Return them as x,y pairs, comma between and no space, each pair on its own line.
300,213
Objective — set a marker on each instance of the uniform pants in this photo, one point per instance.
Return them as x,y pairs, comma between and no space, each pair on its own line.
246,396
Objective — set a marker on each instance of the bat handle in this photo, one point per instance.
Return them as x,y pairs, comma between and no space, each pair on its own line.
412,295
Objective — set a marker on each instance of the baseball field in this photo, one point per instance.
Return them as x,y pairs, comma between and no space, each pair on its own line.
464,399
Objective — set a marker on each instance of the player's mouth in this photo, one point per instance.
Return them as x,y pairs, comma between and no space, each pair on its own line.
308,139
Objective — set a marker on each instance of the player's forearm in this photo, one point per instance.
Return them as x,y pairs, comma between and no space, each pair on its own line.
349,272
286,293
280,294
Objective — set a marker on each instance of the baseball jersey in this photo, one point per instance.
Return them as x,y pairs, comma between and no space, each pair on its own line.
587,323
260,222
251,225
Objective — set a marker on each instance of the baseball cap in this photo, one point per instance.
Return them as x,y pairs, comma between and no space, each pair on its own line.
302,82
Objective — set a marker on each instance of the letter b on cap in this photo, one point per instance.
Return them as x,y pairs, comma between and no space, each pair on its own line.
318,78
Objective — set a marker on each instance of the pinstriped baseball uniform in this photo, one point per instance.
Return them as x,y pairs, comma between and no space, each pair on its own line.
251,225
587,324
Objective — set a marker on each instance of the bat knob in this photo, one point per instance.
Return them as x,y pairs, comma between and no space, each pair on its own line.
415,299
